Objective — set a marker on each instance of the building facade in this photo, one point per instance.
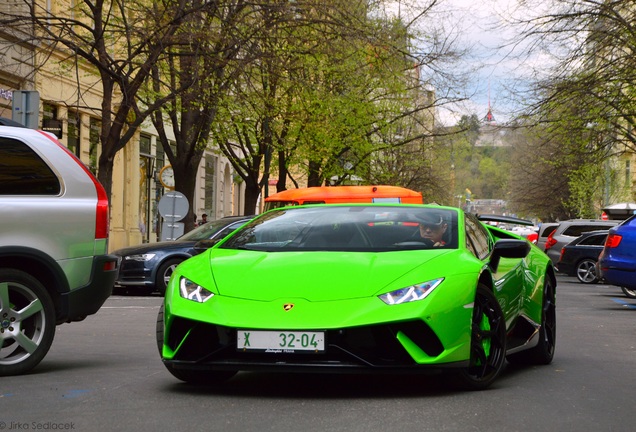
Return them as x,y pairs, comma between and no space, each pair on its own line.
68,95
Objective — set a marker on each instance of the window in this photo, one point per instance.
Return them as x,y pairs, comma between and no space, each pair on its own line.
23,172
477,238
210,164
73,141
49,111
577,230
95,130
594,240
144,145
160,160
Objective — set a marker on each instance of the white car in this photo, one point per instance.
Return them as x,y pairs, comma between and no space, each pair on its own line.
54,266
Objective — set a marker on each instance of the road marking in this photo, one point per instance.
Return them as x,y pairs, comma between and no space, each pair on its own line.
624,303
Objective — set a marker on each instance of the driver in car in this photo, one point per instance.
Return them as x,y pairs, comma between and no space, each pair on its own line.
432,228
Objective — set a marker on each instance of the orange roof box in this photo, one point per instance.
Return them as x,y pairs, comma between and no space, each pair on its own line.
343,194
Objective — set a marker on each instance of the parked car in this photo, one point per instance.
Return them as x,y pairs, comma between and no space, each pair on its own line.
147,267
528,232
568,230
578,258
617,262
360,288
545,230
521,227
53,242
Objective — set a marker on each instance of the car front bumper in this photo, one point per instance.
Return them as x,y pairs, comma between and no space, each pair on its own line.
390,348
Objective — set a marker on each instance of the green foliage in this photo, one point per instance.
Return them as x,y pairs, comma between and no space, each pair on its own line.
584,185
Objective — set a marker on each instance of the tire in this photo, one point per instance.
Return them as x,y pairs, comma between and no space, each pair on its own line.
543,352
488,342
27,322
201,377
159,331
631,293
164,272
586,271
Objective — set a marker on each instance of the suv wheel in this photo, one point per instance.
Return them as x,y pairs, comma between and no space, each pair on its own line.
27,322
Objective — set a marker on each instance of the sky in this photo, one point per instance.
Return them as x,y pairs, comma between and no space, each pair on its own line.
480,28
479,25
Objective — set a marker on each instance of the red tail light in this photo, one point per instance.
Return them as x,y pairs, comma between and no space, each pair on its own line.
101,214
613,240
561,256
550,242
101,218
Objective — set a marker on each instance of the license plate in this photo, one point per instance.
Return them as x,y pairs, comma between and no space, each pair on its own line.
280,341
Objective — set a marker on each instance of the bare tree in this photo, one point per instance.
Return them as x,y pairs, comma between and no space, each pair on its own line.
581,99
333,85
205,62
119,39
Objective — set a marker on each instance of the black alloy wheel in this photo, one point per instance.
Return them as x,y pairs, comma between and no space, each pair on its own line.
488,342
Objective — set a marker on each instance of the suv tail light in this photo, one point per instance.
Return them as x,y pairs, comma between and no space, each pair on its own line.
102,210
550,241
101,217
561,256
613,240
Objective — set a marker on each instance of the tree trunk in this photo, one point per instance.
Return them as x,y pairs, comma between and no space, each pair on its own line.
252,193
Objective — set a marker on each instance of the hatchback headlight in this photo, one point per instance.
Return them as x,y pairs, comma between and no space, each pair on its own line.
193,291
411,293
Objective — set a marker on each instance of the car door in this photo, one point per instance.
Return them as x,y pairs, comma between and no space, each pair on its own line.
508,278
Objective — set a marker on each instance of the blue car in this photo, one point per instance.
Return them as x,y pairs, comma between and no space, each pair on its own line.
147,267
617,262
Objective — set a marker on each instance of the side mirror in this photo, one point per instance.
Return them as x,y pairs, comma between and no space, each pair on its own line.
203,245
508,248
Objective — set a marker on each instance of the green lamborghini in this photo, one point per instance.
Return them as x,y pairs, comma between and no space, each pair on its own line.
360,288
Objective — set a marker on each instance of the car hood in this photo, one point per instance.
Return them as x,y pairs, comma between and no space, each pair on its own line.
320,276
152,247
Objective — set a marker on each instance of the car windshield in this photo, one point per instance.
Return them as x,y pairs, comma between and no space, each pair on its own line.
206,230
364,228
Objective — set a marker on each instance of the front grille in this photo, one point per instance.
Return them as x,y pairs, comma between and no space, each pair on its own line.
368,346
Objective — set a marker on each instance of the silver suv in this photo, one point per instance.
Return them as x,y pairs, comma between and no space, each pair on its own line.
53,243
568,230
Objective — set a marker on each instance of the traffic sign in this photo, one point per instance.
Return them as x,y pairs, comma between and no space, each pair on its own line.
173,206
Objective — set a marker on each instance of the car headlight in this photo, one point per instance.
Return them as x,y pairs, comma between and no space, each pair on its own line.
193,291
140,257
411,293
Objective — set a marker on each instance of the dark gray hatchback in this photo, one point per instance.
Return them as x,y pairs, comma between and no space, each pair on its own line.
579,257
147,267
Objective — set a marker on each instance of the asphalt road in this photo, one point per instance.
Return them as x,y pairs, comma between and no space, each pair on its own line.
104,374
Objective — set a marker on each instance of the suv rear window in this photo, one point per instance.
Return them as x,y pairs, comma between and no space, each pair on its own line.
594,240
546,232
577,230
23,172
